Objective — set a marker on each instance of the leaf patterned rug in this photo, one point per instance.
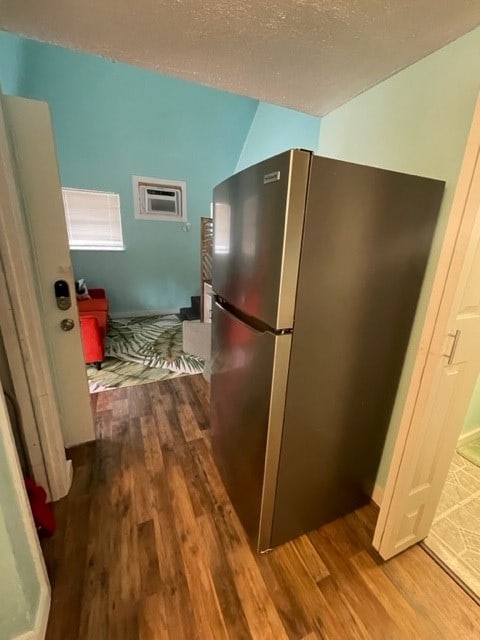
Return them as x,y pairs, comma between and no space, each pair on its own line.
140,350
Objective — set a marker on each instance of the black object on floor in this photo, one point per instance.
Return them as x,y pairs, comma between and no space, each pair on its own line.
192,312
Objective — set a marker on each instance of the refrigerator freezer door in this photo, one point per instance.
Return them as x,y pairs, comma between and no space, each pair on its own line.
258,225
249,374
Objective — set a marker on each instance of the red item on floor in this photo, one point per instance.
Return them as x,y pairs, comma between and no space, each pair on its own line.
42,512
93,315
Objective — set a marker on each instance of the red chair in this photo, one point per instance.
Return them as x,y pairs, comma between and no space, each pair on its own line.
93,314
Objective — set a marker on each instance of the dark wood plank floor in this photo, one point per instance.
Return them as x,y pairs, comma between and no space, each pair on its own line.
148,548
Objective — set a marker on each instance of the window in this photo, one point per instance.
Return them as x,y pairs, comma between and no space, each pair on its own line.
93,220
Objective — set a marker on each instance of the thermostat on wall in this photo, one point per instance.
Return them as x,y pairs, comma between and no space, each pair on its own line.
159,199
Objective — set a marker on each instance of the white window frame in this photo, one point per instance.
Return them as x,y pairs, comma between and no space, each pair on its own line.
93,245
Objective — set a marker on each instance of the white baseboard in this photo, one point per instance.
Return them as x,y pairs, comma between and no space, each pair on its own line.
41,619
377,495
145,312
469,437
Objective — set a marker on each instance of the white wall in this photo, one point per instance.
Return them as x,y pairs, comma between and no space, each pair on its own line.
416,122
15,613
21,578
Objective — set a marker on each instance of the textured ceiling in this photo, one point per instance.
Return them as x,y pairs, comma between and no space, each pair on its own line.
310,55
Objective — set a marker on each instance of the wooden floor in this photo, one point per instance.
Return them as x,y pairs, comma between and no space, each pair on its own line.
148,547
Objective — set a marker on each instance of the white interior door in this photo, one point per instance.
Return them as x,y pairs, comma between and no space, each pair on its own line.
29,125
443,388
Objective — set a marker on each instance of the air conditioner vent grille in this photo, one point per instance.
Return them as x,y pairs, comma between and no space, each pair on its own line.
160,199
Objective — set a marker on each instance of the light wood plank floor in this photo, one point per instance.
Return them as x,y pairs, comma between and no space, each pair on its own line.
149,548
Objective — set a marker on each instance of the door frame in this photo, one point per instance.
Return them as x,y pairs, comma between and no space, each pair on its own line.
20,323
435,329
19,378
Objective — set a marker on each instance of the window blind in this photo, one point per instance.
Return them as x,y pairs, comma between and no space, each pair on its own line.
93,219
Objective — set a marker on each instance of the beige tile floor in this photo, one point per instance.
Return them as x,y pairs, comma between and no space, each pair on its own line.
455,534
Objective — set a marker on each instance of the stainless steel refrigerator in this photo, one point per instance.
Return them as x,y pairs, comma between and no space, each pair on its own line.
317,269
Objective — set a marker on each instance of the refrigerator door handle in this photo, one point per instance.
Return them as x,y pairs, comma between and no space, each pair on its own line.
252,324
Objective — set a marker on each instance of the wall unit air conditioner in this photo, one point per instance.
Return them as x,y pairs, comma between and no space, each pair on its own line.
158,199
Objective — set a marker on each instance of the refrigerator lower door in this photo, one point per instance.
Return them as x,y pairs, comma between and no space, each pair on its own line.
248,384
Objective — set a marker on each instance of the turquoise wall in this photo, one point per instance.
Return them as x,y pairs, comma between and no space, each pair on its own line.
416,121
11,62
275,129
112,121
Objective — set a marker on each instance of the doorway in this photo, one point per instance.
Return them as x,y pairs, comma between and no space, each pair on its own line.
444,374
454,539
